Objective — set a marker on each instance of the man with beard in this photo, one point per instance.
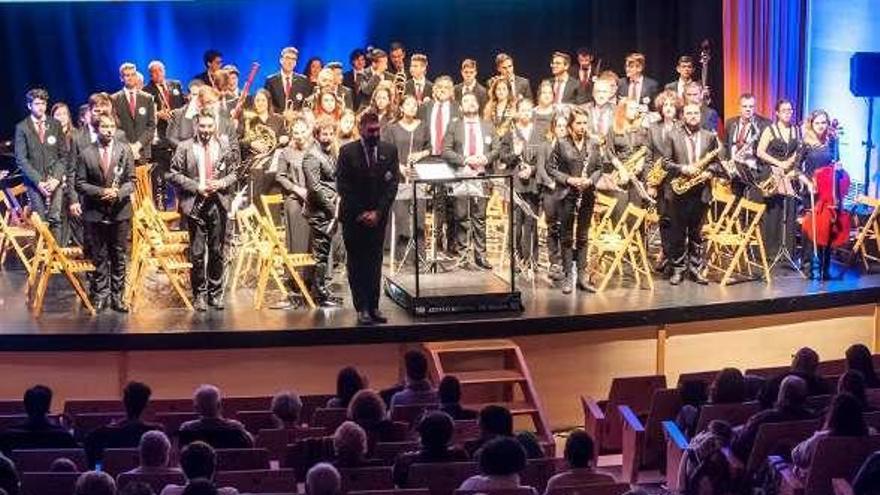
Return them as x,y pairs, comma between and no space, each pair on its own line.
470,147
204,171
290,177
105,183
687,146
367,174
574,164
321,202
741,139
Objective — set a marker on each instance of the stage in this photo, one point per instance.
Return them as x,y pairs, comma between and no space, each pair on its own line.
158,324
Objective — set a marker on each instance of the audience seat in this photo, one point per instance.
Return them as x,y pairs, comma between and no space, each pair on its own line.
643,443
39,460
834,457
156,481
597,489
388,451
441,478
539,471
242,459
773,436
396,491
36,483
311,403
117,461
171,421
411,414
254,421
277,440
85,423
366,478
329,418
525,490
11,407
466,430
602,419
232,405
258,480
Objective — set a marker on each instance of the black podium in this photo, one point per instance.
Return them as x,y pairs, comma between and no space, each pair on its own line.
424,289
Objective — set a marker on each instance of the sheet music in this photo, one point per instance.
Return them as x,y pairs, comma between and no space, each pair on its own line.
433,171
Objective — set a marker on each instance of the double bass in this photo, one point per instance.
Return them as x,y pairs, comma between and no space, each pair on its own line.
827,225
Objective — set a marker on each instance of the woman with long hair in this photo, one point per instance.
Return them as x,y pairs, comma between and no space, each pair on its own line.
347,131
625,139
501,108
383,103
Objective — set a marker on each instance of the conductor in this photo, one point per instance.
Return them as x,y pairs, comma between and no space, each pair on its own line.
367,173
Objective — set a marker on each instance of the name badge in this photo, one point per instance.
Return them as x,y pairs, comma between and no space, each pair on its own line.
388,176
175,92
487,139
51,140
142,111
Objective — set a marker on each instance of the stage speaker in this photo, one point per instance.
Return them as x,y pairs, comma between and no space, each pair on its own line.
864,74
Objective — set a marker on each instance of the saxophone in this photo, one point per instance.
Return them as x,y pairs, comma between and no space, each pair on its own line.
682,184
656,174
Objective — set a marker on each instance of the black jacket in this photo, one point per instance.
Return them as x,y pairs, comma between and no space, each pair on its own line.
185,173
139,127
37,160
320,174
91,181
362,188
300,89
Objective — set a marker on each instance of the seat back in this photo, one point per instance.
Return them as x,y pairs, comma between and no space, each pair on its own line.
171,421
665,404
397,491
735,414
156,481
837,457
465,430
633,391
706,377
276,440
242,459
366,478
768,372
312,402
232,405
603,209
85,423
48,483
388,451
72,407
254,421
596,489
258,480
773,435
329,418
538,472
39,460
441,478
271,203
117,461
11,407
523,490
411,414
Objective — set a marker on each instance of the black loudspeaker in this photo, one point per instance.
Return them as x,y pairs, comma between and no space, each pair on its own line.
864,74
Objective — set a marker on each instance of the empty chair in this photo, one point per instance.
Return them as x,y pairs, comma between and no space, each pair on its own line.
258,481
643,443
37,483
254,421
366,478
242,459
329,418
388,451
72,407
232,405
11,407
602,419
311,403
39,460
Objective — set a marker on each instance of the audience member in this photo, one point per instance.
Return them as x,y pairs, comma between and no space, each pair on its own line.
348,383
367,409
418,389
286,408
530,444
128,432
579,455
323,479
212,427
867,480
95,483
693,396
858,358
790,406
38,431
705,461
63,465
500,460
350,446
449,393
729,387
495,421
435,436
804,365
198,460
852,382
200,487
9,481
155,453
844,419
137,488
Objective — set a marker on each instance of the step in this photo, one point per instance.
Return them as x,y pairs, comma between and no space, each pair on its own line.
471,346
488,376
515,408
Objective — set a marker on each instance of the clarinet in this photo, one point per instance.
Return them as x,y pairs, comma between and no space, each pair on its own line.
201,200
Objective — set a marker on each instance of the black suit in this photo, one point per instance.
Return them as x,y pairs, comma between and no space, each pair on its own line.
319,170
478,89
737,136
39,161
168,97
689,209
427,115
140,126
572,93
300,89
649,89
533,155
353,82
207,226
106,223
469,211
365,184
427,90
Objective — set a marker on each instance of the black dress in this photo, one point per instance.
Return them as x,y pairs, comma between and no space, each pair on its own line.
624,145
779,222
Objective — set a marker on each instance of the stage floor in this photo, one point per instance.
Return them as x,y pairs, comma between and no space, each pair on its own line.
162,323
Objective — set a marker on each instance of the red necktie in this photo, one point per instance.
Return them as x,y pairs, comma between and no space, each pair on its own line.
105,161
287,87
419,92
41,130
209,164
131,103
472,139
438,130
741,135
557,91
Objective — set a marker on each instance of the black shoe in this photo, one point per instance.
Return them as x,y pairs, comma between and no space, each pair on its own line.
199,304
378,317
328,302
482,263
364,319
676,278
100,304
216,302
567,285
119,305
699,278
584,285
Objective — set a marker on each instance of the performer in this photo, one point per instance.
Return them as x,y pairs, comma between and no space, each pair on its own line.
319,170
347,130
501,107
519,86
574,165
313,67
437,115
545,109
668,105
354,78
418,85
204,169
136,114
778,152
383,104
375,74
627,137
183,126
566,89
636,85
742,133
39,156
168,96
687,147
397,57
341,91
586,72
523,153
263,134
105,182
329,105
552,195
213,61
291,179
819,151
470,146
366,178
469,83
600,111
288,89
695,93
71,229
685,70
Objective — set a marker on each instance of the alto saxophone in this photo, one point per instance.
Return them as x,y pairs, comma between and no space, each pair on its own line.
656,174
682,184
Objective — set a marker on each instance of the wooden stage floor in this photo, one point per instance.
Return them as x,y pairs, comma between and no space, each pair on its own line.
162,323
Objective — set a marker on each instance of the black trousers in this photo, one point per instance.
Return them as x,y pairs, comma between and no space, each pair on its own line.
206,240
107,248
687,213
525,228
552,209
49,208
577,218
364,262
71,226
779,225
664,224
470,220
320,243
162,192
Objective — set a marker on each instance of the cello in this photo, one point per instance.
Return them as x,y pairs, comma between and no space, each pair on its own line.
828,225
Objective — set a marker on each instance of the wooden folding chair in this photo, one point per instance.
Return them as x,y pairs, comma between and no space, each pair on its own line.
869,231
274,254
272,203
252,245
610,251
15,232
51,259
601,222
143,193
728,248
715,218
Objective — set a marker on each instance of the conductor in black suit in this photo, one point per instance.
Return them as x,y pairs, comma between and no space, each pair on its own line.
286,86
39,156
636,85
367,174
105,182
136,113
204,171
